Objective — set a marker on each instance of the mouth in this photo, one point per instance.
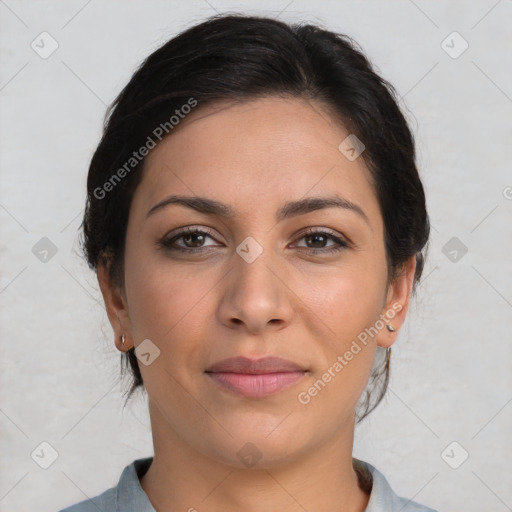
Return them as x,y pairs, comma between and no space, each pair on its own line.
255,378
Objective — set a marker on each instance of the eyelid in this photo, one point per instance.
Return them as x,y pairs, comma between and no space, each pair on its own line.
191,229
207,230
180,232
327,231
340,241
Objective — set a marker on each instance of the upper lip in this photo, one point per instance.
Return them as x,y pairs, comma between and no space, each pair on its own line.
254,366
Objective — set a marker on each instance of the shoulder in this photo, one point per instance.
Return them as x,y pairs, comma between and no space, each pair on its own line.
106,502
126,496
382,496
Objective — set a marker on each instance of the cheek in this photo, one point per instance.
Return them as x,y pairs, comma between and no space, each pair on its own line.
162,298
343,308
341,329
346,299
167,302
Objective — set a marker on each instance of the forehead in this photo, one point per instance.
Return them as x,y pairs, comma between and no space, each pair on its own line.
256,153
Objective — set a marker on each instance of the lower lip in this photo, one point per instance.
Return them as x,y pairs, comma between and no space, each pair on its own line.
256,386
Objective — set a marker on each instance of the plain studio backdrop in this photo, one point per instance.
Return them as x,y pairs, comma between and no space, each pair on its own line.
442,434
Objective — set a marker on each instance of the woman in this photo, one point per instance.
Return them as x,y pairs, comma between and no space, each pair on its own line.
257,224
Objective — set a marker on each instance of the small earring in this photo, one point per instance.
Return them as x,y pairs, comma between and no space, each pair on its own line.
122,338
390,328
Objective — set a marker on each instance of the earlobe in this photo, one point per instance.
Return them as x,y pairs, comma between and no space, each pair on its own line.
115,306
397,304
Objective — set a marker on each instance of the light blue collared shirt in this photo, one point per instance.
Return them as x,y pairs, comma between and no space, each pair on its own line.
128,495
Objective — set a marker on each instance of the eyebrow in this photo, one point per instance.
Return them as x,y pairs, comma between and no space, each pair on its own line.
288,210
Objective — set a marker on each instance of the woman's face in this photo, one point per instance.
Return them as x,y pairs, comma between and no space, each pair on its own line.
275,278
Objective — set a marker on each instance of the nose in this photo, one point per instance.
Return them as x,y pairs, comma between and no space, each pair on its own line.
255,295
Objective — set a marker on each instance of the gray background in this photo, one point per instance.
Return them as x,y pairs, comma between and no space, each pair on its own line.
451,367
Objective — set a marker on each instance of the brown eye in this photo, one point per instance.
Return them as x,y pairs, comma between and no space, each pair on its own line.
193,240
316,242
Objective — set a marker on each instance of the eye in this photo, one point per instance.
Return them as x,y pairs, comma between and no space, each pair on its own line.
193,240
318,238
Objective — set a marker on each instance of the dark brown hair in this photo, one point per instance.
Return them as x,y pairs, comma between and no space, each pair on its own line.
235,57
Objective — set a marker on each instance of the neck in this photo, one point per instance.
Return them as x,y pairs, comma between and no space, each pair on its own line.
181,478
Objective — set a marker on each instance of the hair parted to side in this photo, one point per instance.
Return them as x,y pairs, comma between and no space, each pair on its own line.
236,57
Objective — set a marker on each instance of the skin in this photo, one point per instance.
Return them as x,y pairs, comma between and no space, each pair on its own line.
201,308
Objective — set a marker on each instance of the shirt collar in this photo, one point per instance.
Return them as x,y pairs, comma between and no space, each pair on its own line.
130,497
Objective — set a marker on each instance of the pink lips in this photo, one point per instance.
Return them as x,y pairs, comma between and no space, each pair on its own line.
255,378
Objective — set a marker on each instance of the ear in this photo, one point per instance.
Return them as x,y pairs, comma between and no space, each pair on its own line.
397,303
116,306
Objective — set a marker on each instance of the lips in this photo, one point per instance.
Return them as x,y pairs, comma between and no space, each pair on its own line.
255,378
255,366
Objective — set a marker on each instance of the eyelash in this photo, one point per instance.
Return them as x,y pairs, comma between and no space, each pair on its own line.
167,242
